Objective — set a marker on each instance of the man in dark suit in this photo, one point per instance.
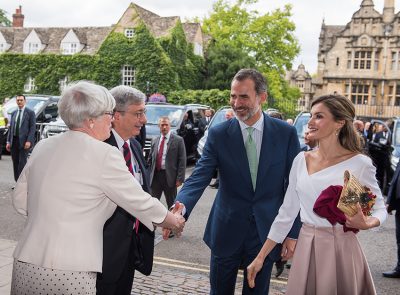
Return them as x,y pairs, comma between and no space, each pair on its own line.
253,154
168,163
21,135
204,121
118,241
393,203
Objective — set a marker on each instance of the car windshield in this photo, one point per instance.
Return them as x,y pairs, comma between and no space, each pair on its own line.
301,126
154,113
219,117
34,104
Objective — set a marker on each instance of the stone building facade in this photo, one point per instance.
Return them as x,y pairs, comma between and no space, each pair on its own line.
301,79
361,60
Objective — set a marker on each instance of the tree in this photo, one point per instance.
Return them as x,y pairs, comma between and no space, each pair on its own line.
223,61
4,21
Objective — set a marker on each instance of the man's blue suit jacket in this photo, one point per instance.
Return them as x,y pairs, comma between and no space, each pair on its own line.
236,201
26,130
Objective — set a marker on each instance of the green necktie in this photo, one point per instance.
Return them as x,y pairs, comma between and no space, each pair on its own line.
251,151
17,125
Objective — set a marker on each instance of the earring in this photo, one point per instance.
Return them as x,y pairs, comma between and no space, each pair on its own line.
337,132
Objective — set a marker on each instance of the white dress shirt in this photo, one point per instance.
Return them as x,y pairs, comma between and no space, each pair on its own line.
257,133
135,164
304,189
167,137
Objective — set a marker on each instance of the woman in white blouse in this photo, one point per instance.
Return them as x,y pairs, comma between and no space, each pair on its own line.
327,260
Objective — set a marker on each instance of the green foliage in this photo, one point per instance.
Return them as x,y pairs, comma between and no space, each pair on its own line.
154,70
223,62
186,64
4,21
214,98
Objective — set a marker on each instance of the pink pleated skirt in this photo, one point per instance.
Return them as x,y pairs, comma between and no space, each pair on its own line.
329,261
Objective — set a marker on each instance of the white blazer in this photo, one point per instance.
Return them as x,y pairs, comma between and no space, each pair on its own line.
68,189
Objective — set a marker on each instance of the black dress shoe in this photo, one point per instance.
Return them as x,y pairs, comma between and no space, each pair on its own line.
391,274
214,185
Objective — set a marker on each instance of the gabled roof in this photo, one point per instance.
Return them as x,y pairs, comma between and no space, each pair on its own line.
91,37
191,30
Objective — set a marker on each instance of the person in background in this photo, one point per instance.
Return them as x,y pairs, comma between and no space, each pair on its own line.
393,204
168,163
229,114
21,135
118,241
204,121
309,142
289,121
327,259
68,196
3,124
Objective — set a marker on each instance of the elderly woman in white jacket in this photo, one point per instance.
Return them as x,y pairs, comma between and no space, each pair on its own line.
69,188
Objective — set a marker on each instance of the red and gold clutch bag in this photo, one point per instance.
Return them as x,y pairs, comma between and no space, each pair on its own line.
354,192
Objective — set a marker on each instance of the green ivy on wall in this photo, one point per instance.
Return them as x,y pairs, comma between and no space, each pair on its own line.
156,69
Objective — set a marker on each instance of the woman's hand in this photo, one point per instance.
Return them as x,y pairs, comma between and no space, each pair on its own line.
253,269
360,221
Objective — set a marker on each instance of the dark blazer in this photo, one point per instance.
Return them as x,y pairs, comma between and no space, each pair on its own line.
203,124
118,229
27,129
392,200
175,160
236,202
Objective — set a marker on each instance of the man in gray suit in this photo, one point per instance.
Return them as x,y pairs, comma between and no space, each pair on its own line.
21,135
168,163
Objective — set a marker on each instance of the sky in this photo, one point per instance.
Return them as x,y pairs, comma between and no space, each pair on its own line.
307,15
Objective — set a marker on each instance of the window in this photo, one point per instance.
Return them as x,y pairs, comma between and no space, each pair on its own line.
29,85
128,75
52,110
394,94
362,60
376,61
63,83
337,61
349,56
359,94
395,61
33,48
397,96
69,48
129,33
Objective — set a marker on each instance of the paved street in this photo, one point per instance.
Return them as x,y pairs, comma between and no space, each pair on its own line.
181,266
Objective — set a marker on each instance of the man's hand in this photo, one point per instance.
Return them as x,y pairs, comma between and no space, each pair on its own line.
178,183
8,147
27,145
389,209
177,211
288,247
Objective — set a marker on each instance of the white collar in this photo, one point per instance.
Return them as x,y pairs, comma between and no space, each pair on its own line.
259,125
119,139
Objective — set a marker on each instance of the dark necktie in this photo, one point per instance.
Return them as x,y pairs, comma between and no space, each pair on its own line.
160,154
128,161
17,124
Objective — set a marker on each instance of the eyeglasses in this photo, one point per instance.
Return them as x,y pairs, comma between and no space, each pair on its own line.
111,114
137,114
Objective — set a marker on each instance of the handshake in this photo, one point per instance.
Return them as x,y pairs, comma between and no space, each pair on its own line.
178,222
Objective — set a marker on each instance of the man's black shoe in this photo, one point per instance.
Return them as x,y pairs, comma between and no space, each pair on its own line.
280,266
391,274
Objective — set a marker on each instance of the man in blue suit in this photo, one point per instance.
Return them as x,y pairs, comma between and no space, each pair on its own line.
21,135
253,154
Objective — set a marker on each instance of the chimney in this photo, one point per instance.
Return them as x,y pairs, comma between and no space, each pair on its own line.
388,11
18,18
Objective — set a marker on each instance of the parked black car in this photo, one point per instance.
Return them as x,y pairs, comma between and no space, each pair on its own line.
175,113
44,106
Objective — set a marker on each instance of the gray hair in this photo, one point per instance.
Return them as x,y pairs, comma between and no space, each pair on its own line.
162,118
84,100
126,96
260,84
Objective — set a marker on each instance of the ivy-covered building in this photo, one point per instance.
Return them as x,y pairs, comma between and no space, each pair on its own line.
142,49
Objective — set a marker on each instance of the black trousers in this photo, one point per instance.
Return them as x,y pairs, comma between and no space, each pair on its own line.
397,220
19,157
123,286
160,185
2,139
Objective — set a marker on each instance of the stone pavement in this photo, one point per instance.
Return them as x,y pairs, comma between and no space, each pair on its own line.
166,278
